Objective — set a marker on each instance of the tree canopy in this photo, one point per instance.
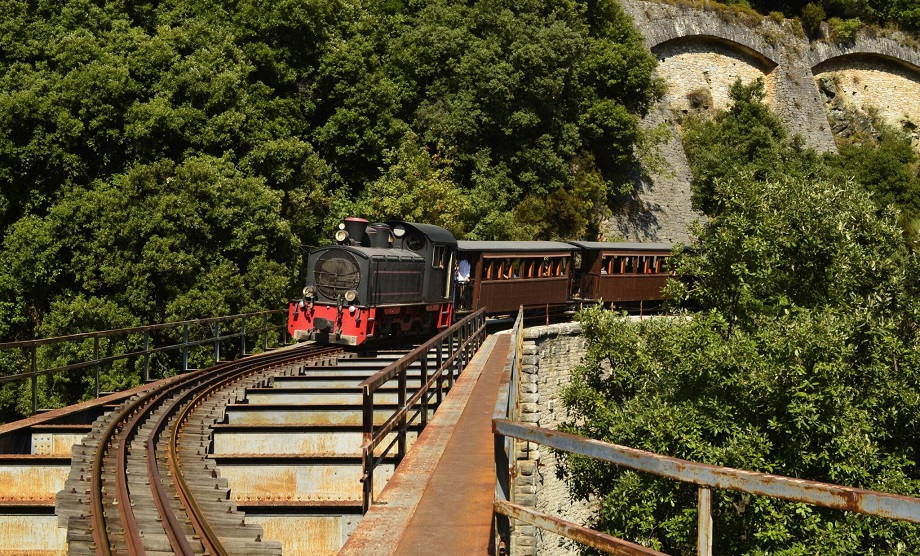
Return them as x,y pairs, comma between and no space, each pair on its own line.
904,13
803,361
168,160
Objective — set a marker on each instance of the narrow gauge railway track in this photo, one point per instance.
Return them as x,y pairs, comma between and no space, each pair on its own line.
151,488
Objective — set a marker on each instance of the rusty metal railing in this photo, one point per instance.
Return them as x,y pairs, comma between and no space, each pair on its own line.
705,476
137,345
506,407
452,350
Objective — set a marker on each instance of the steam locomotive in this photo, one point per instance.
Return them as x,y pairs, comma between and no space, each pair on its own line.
395,279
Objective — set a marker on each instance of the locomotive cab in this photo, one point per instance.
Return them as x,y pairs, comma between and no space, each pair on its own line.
379,281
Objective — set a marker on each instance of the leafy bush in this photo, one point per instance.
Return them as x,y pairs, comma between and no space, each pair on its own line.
812,16
843,30
804,361
824,395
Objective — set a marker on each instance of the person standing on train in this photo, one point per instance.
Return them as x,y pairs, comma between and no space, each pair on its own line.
461,280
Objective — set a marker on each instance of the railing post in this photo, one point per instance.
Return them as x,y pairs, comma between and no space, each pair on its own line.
368,451
454,348
265,332
96,357
216,342
426,393
440,372
34,380
401,405
704,539
243,336
502,491
185,348
146,376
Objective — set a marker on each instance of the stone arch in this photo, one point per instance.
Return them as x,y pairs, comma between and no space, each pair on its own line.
699,69
869,81
731,36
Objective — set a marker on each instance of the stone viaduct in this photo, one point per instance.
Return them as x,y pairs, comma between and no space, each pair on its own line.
810,85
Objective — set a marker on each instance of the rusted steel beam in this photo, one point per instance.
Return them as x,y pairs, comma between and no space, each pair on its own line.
594,539
32,534
27,479
838,497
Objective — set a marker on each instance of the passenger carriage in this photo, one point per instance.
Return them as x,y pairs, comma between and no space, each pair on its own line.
506,275
622,273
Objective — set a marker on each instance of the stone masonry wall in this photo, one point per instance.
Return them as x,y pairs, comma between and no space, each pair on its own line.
550,353
700,52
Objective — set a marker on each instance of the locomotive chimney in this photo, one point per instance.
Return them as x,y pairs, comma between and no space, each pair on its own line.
357,230
382,238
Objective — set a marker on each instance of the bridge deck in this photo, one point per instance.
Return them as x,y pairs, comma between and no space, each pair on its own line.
439,501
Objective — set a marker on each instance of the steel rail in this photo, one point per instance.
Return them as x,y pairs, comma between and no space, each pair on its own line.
196,515
97,504
171,524
124,425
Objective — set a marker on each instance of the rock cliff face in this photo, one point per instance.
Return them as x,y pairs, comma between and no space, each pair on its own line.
818,88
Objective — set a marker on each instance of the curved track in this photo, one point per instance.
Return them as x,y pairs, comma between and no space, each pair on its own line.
141,482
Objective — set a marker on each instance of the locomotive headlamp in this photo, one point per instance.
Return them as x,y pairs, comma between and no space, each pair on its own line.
399,230
341,225
308,292
351,295
341,236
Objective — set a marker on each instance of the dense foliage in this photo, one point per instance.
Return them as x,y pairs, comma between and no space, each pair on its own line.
165,160
804,361
903,13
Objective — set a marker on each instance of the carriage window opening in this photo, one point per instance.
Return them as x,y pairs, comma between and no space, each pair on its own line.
527,269
562,267
629,267
605,265
437,258
489,270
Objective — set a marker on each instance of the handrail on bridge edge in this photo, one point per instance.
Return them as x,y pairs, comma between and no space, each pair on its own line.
506,429
30,347
461,341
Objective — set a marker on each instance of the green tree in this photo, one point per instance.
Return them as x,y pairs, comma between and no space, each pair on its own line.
417,187
825,395
803,361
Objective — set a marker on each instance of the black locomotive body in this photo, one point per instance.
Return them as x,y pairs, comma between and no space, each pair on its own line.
381,280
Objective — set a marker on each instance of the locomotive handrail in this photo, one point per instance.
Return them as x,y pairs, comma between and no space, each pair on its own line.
29,348
461,340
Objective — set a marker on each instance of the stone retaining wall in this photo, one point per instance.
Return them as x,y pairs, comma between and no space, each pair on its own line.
550,353
701,52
